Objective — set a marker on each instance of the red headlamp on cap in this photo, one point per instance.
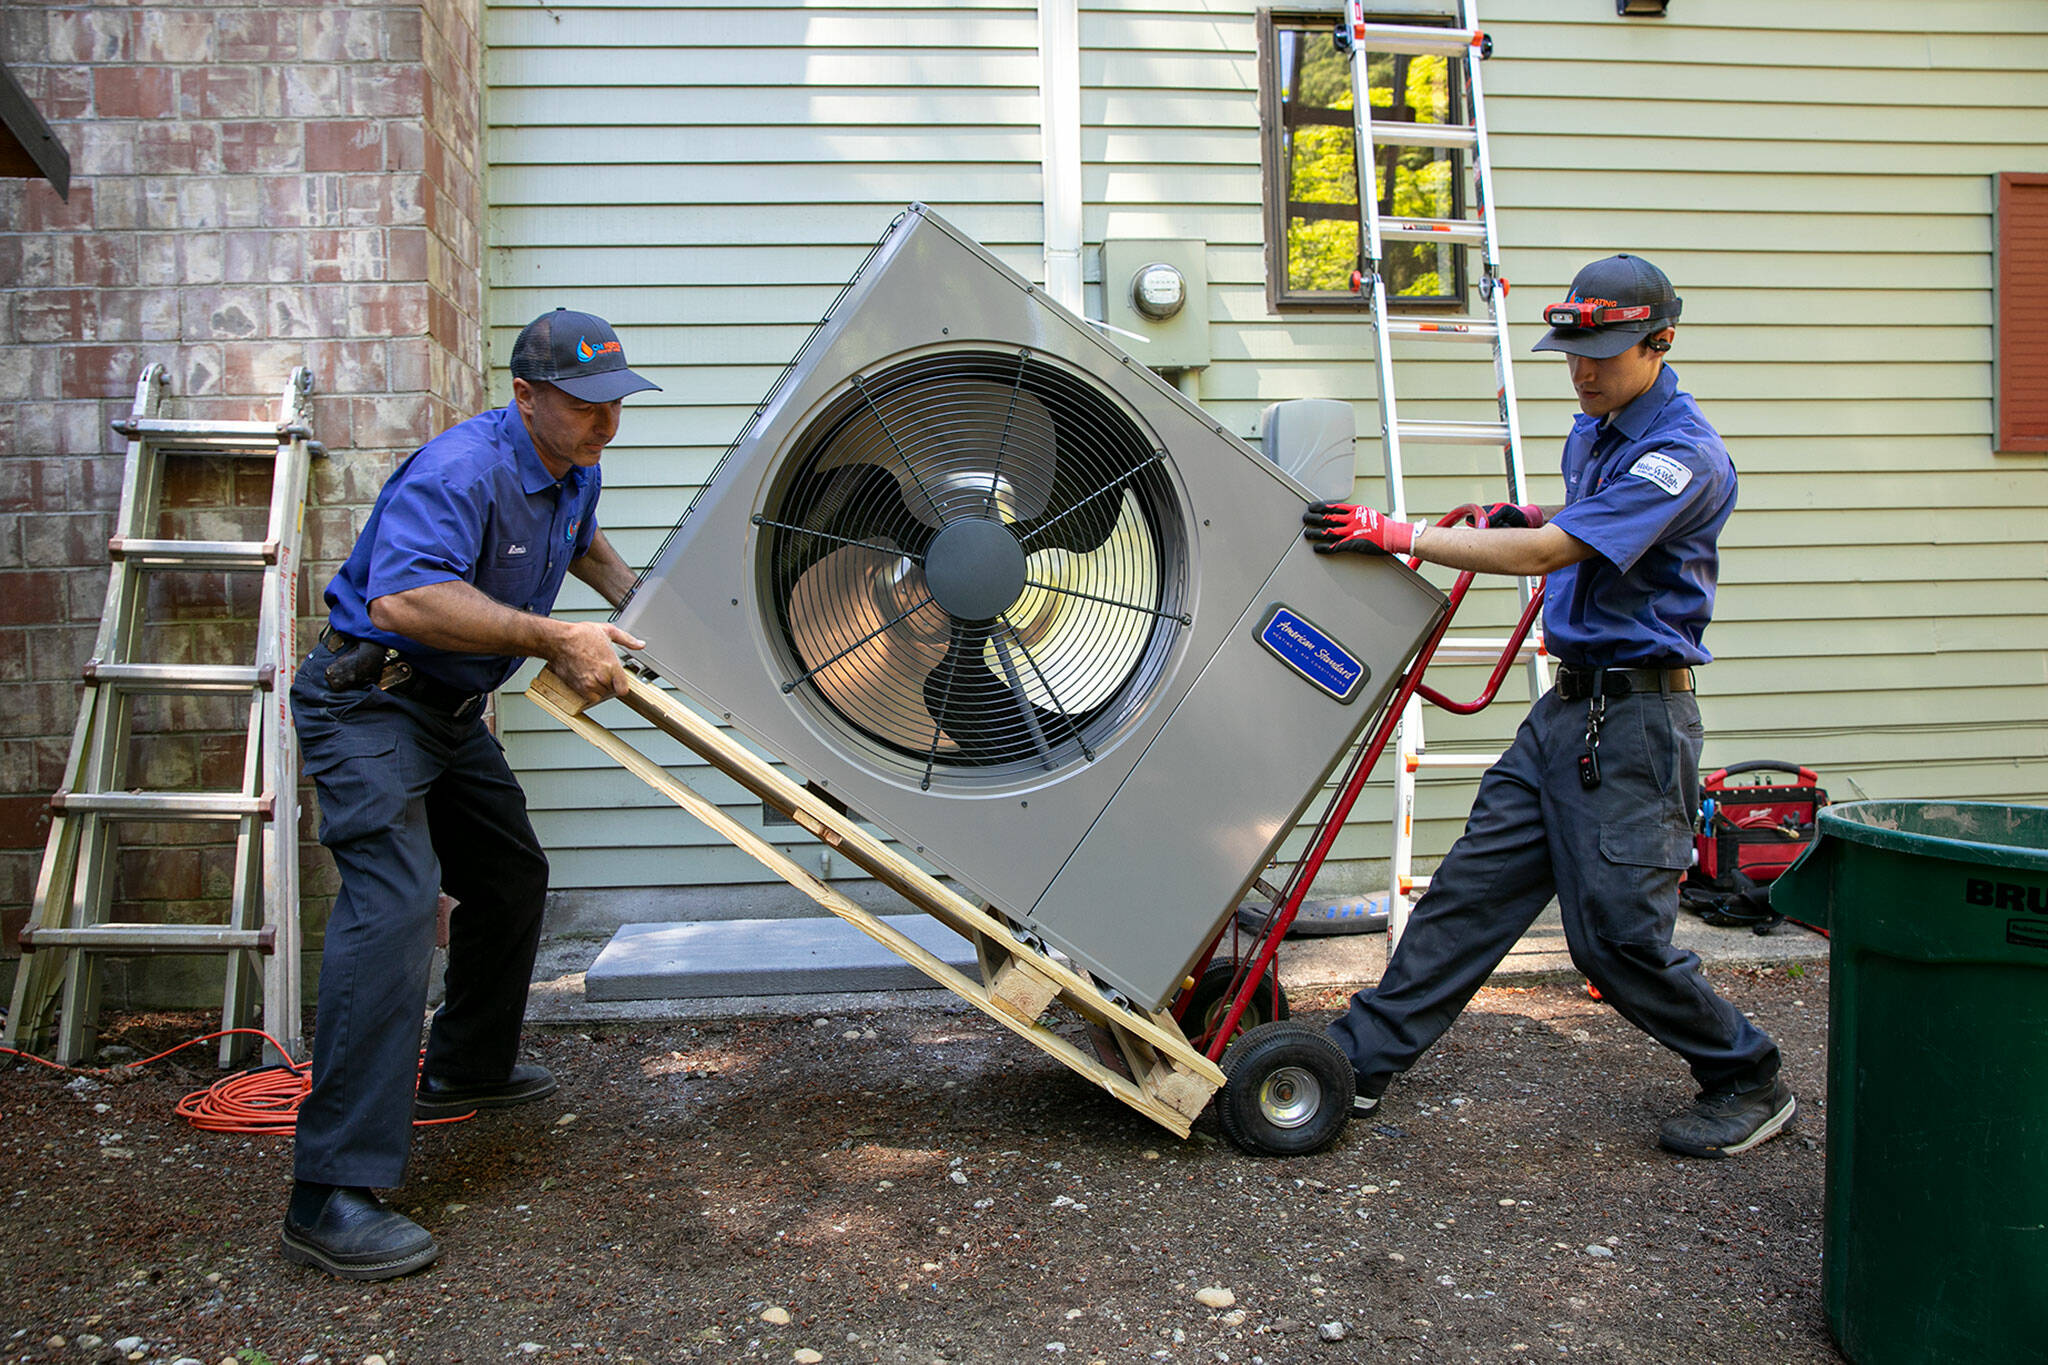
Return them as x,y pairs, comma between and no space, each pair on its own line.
1588,313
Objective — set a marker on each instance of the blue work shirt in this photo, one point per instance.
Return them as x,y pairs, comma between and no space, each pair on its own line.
1649,488
474,504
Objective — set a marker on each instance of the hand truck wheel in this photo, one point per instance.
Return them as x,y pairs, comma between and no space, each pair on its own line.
1209,1000
1286,1090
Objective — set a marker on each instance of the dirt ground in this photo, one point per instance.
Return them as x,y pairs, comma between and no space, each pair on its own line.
918,1185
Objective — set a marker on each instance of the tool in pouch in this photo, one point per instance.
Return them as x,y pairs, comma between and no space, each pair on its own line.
364,662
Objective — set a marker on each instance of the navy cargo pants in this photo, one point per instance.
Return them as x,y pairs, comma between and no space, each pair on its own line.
1612,856
413,801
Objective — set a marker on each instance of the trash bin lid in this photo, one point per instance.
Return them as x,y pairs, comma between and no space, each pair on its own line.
1966,831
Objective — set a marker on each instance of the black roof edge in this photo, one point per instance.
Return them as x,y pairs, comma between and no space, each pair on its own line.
28,139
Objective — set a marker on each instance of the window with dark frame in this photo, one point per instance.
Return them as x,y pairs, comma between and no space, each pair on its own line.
1311,171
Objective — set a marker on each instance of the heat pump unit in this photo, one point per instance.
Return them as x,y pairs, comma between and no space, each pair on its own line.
990,583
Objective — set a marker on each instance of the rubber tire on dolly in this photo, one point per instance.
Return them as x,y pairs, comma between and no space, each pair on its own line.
1286,1090
1210,996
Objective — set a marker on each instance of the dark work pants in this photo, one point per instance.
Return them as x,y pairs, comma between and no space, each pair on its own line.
412,802
1612,856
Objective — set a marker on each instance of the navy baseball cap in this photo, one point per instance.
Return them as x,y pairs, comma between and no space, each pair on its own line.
1628,285
578,353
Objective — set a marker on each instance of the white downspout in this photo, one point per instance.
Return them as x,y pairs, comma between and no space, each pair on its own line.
1059,87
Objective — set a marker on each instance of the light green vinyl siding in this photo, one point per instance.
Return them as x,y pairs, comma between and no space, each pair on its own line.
1816,179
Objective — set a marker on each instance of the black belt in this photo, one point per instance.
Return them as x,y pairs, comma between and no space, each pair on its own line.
1575,683
401,678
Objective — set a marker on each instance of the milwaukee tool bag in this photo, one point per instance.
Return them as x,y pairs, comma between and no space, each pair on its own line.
1749,832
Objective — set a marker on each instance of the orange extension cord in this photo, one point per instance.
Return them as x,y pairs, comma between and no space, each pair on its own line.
264,1099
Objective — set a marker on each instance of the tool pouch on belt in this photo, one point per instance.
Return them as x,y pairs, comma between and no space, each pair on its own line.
356,666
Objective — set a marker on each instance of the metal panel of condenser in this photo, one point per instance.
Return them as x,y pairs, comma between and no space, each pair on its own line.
999,589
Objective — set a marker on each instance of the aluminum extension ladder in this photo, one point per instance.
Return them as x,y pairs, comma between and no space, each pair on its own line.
1464,45
56,989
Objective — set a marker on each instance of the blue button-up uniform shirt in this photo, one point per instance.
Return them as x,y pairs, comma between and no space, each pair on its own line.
1648,487
474,504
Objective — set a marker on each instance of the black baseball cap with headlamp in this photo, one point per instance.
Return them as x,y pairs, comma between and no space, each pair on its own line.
1614,304
578,353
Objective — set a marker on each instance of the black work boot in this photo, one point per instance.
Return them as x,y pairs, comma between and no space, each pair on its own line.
450,1099
1729,1122
348,1232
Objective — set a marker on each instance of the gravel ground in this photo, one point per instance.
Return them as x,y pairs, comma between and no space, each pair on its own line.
917,1185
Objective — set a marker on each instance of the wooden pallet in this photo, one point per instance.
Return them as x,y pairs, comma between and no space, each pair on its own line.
1152,1067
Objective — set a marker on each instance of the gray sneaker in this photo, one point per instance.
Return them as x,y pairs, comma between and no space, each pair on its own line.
1361,1105
1729,1122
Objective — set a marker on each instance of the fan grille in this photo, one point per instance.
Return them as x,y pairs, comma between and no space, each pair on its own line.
976,562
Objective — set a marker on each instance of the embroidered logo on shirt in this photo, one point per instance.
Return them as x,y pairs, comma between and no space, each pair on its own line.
1667,473
511,550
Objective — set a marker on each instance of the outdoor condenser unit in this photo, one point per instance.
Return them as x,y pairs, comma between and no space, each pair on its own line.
990,583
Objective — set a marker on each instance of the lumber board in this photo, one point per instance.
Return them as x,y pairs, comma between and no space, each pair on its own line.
913,883
1163,1102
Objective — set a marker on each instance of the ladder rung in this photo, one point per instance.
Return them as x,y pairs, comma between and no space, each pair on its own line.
1452,761
151,938
1482,651
170,435
164,805
1392,133
1466,231
194,554
1455,433
1443,329
180,677
1416,40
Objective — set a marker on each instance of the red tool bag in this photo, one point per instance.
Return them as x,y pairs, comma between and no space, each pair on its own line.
1749,833
1758,828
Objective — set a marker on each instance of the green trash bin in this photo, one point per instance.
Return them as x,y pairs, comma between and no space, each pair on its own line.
1936,1241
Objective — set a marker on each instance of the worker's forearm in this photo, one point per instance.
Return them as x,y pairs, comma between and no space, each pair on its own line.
1504,551
456,617
603,568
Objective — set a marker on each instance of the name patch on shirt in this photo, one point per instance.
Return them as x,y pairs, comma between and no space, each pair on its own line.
1667,473
514,549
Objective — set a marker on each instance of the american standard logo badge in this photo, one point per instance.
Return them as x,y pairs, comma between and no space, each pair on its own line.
1327,665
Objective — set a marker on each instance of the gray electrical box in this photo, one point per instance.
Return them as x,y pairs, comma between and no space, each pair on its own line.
1313,439
1159,290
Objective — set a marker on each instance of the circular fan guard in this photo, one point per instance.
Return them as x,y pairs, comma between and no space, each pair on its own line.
976,562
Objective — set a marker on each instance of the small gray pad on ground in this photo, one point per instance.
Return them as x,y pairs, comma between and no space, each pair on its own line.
763,957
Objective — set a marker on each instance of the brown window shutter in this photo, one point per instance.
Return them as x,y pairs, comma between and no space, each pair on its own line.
2021,383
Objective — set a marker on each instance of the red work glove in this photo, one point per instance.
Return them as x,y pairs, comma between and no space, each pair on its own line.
1526,515
1338,526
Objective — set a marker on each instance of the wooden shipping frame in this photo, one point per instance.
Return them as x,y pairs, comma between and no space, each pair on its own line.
1148,1062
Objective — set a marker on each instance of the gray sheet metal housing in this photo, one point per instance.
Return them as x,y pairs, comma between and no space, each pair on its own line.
1129,851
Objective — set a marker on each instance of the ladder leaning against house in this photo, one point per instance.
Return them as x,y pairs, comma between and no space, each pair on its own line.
56,990
1464,45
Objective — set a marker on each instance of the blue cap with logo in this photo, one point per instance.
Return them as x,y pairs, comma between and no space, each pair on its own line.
1614,304
578,353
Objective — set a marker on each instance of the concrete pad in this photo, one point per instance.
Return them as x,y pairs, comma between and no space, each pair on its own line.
740,957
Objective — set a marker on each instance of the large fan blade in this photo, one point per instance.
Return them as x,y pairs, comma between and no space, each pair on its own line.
1085,618
824,513
960,448
868,636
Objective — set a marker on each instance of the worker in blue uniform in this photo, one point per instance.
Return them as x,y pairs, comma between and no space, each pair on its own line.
447,589
1594,801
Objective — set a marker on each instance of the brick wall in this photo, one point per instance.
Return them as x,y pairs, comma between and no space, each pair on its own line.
254,188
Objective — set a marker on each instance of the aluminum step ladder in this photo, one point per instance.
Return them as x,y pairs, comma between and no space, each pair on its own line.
56,989
1464,45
